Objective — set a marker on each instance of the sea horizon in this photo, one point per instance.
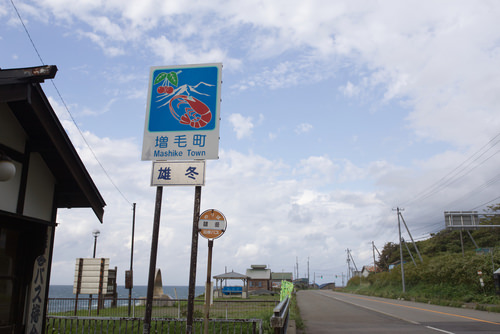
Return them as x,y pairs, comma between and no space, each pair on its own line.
138,291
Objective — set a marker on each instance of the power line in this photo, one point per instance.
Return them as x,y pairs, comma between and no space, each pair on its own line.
455,174
27,32
66,107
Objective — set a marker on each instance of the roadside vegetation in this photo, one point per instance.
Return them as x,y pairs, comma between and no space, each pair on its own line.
295,313
446,276
254,307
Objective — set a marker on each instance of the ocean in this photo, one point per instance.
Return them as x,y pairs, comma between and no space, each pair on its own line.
66,291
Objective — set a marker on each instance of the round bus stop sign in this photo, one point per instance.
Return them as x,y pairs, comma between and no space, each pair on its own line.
212,224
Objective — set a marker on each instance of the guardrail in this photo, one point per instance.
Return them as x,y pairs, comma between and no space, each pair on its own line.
279,320
92,325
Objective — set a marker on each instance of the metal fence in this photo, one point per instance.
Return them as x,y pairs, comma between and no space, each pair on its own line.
88,325
172,308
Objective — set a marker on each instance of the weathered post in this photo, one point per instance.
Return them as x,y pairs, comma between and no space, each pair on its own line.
208,284
152,261
194,253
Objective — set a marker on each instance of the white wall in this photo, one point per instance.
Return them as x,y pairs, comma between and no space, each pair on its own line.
41,183
13,136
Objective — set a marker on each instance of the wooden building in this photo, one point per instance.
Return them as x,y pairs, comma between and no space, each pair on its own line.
259,277
40,172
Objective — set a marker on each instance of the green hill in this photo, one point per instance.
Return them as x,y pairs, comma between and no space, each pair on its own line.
447,275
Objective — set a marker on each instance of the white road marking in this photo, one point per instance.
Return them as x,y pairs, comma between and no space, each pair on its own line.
439,330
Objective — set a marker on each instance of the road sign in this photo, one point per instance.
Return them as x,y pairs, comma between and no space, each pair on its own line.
183,113
212,224
178,173
461,220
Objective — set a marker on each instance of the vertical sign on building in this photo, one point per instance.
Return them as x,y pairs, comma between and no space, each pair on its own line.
183,113
37,296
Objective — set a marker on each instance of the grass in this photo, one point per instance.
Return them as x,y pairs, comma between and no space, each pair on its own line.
136,326
454,295
295,314
254,307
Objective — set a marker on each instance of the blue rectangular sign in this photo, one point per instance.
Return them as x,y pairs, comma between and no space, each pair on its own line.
183,113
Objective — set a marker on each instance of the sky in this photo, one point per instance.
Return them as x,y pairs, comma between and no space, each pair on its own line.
333,114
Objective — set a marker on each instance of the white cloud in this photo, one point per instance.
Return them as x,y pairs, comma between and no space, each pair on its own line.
303,128
241,125
349,89
428,68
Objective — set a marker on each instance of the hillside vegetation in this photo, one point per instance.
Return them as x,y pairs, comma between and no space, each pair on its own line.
446,276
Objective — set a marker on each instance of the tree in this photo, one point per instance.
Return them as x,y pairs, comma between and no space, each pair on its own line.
389,254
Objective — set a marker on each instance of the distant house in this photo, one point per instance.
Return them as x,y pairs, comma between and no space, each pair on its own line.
276,279
367,270
301,283
259,277
395,264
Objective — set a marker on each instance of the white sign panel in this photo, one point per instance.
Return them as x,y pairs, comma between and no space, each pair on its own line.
183,113
91,276
178,173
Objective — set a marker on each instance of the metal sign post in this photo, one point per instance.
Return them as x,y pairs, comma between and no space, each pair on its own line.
152,261
129,277
208,285
192,267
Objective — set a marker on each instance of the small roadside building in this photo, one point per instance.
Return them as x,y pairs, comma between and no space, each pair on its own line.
367,270
40,172
259,277
223,289
276,279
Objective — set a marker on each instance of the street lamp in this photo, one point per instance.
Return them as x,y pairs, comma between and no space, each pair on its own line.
95,233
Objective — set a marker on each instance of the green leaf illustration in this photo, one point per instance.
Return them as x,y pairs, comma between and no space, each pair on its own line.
172,77
160,77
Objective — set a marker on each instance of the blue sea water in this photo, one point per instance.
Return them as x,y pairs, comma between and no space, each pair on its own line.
66,291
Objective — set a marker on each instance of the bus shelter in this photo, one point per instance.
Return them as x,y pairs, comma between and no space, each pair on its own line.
223,289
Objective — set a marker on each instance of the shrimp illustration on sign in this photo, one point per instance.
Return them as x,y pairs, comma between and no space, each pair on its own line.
185,108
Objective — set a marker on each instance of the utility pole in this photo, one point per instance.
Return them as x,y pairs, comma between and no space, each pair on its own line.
348,264
308,280
297,259
374,263
401,252
408,249
375,247
411,237
349,256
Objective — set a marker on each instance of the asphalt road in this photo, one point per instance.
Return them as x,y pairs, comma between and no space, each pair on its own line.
335,312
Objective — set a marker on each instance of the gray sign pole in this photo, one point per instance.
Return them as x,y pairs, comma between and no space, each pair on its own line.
152,261
131,277
401,253
194,253
208,286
